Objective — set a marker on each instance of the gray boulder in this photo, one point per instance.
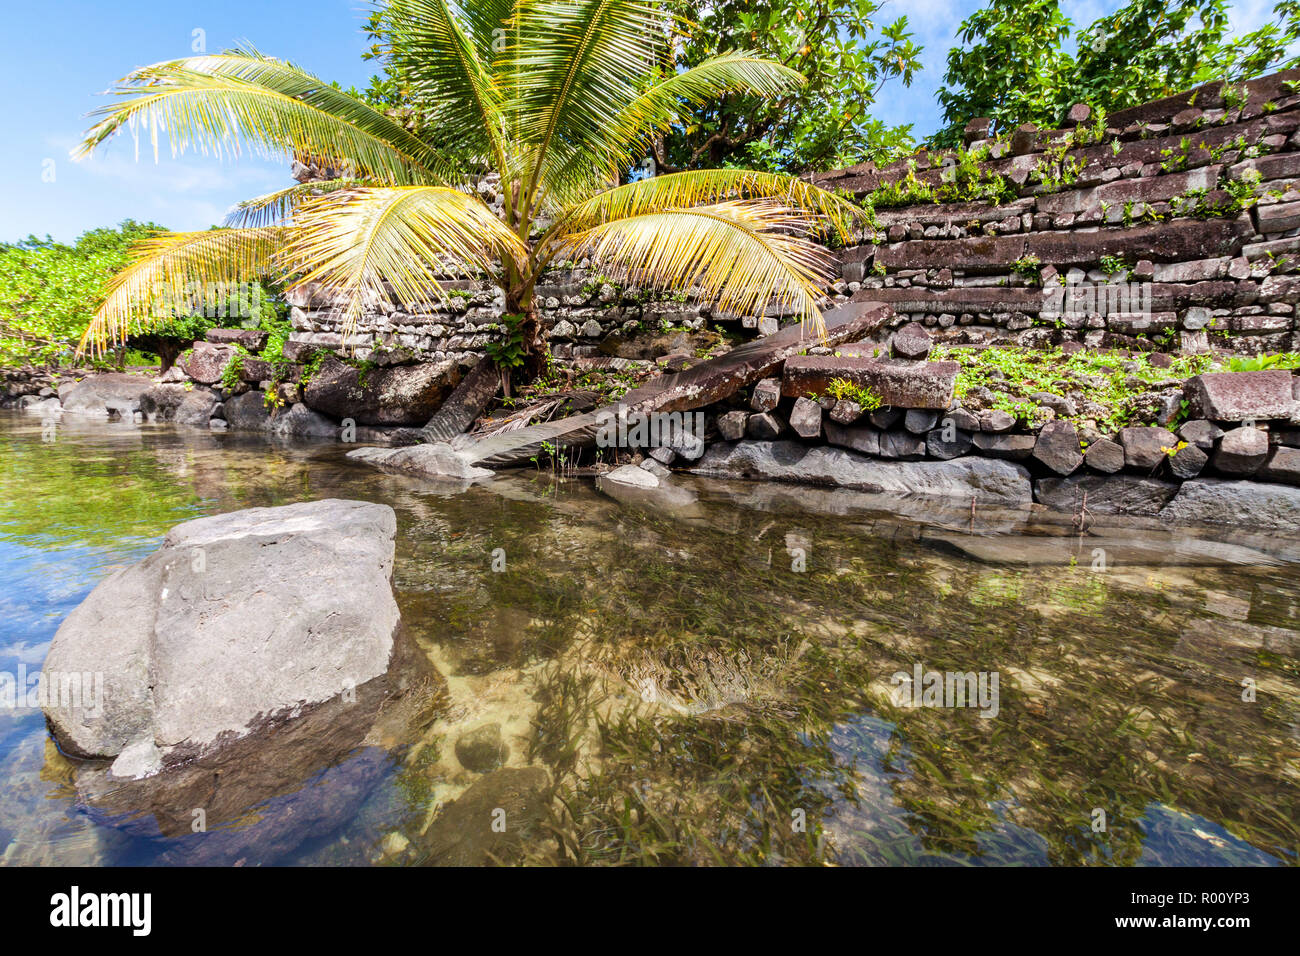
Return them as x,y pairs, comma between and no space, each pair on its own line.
988,482
236,623
1144,445
1058,448
1246,505
207,362
1241,451
1115,494
435,460
396,395
110,394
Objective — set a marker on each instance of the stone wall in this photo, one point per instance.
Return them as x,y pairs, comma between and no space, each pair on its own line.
1158,187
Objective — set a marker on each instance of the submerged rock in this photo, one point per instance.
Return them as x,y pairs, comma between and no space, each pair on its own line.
980,479
1109,494
397,395
436,460
235,623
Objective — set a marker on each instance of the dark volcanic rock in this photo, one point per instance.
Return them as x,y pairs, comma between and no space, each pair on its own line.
1283,465
944,443
806,418
108,393
1105,456
1187,462
1004,445
912,341
1201,433
1058,448
251,339
1144,445
397,395
764,426
898,383
1241,451
207,362
247,412
1117,494
1240,396
1246,505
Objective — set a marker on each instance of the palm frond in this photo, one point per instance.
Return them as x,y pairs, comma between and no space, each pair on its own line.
166,272
705,186
366,245
215,103
631,129
276,209
741,256
579,62
447,60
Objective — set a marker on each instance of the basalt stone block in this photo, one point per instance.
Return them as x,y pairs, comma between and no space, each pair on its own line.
995,421
901,445
767,395
884,418
1105,456
397,395
1058,448
1118,494
1187,462
861,438
1174,241
945,443
207,362
254,370
920,420
1013,447
898,383
1201,433
961,419
1241,451
731,425
912,341
1283,465
846,412
1144,445
251,339
1240,396
806,418
764,426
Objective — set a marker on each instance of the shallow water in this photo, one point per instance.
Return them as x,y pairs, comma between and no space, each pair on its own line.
709,678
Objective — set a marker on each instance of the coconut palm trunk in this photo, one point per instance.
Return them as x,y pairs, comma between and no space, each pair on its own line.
559,97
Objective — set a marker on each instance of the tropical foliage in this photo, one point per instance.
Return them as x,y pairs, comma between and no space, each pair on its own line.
50,290
557,96
1012,65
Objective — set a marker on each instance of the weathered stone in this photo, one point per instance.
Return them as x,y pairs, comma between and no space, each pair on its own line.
987,482
806,418
1283,465
207,362
436,460
397,395
901,445
1115,494
767,395
1187,462
1144,445
900,384
1245,505
860,439
465,404
731,425
159,403
885,418
196,408
764,426
1201,433
482,750
110,393
1004,445
1241,451
303,611
299,421
945,443
1057,448
961,419
1240,396
846,412
995,420
912,341
1105,456
919,420
251,339
247,412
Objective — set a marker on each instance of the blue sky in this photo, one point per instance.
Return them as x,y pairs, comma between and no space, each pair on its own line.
57,55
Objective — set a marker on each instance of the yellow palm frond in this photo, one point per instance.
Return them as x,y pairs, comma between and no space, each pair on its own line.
167,271
699,187
741,256
366,244
218,103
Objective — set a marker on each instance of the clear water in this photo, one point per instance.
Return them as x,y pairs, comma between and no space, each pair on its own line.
672,690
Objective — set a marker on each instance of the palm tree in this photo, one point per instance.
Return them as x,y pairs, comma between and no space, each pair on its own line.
557,96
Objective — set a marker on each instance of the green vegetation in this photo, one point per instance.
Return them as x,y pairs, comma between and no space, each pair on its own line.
844,389
1111,381
50,290
1257,363
1012,63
